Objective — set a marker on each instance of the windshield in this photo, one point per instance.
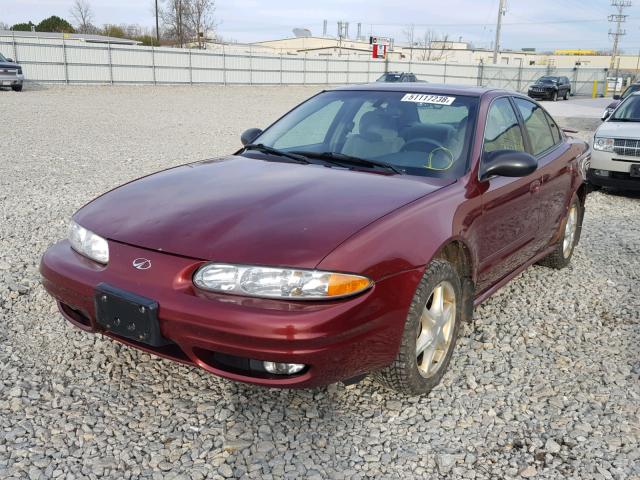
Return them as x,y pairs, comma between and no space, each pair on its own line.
3,58
547,80
418,134
390,77
628,111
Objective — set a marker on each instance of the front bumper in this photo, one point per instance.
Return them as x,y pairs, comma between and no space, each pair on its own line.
338,340
619,180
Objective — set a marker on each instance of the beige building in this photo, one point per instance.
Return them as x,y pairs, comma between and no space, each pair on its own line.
451,52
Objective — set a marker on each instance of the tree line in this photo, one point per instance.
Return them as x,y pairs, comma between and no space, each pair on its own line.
181,23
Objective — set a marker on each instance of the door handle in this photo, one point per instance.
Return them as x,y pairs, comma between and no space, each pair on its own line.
534,187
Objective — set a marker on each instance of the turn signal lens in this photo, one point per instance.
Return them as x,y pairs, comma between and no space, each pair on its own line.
341,285
285,283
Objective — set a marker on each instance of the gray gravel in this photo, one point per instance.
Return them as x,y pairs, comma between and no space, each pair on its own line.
543,385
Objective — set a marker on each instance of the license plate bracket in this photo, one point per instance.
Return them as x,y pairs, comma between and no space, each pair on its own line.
128,315
634,171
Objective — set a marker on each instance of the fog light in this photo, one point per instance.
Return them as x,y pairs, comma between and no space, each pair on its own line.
601,173
283,368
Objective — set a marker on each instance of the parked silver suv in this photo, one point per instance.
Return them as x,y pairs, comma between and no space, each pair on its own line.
10,74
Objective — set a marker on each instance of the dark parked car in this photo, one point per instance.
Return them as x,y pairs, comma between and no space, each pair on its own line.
395,77
10,74
551,88
634,87
351,237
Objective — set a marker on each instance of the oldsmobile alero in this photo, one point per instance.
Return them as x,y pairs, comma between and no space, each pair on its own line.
351,237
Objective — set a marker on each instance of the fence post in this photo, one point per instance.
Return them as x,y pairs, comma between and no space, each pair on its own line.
281,68
224,66
575,80
15,50
519,76
304,69
153,64
368,70
110,63
480,72
348,68
64,59
250,66
444,80
190,69
326,70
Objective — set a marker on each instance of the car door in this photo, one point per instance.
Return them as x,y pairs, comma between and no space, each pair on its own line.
554,166
510,215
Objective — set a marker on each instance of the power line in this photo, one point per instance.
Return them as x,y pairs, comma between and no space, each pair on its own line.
618,18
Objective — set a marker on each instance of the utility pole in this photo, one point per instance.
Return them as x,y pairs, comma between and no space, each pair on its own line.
502,9
157,25
618,18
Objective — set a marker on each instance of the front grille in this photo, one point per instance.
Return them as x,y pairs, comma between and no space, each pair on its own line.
626,146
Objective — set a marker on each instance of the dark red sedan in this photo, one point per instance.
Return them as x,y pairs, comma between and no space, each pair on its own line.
351,237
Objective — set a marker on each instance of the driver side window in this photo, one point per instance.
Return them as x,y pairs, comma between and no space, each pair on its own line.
502,130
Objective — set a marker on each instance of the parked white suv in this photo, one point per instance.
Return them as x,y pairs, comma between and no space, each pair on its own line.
615,161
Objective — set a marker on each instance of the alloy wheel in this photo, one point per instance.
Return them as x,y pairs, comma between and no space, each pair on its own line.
570,231
435,329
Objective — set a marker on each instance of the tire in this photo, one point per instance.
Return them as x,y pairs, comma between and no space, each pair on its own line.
412,373
16,88
554,96
561,255
566,95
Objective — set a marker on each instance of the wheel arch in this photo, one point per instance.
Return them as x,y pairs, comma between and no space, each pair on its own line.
458,253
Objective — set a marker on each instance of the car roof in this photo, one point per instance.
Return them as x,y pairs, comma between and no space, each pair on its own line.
433,88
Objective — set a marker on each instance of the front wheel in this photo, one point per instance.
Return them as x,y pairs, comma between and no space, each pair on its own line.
561,255
554,96
16,88
430,332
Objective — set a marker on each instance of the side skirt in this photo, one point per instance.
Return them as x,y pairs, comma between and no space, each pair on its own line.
490,291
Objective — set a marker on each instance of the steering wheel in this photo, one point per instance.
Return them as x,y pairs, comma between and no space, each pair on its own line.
420,145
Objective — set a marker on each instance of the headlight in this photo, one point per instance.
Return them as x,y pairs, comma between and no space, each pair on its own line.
604,144
88,243
282,283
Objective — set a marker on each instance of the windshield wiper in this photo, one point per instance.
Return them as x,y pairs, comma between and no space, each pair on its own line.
342,159
274,151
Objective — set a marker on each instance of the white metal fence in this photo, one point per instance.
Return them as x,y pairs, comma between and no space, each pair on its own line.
52,60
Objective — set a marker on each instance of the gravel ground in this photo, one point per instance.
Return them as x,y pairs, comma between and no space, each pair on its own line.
544,384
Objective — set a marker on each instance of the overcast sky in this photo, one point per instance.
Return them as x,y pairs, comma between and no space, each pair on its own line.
543,24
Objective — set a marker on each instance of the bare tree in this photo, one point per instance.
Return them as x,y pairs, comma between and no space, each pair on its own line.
83,15
201,20
175,16
4,26
425,45
409,35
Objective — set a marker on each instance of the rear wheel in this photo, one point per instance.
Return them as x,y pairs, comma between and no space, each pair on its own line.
430,332
561,255
16,88
566,95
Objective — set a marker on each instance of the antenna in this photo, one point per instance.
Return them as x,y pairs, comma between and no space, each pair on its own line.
618,18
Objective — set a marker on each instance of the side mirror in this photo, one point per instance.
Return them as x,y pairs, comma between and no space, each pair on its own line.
507,163
10,60
606,114
250,135
616,97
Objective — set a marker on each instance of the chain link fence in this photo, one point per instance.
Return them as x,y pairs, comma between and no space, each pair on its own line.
60,61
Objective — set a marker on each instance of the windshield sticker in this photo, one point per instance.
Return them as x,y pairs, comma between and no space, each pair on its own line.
422,98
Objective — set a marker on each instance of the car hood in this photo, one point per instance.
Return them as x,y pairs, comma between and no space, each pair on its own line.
245,210
619,130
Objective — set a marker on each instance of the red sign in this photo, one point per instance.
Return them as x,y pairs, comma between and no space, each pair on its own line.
379,51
